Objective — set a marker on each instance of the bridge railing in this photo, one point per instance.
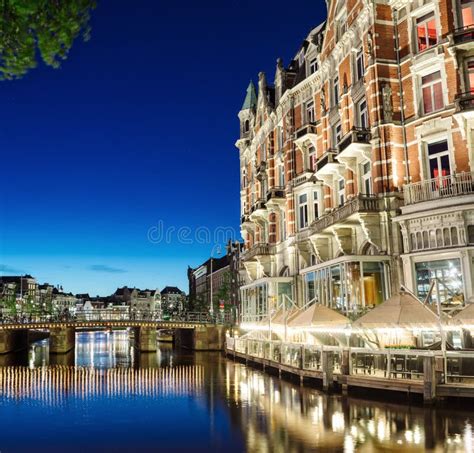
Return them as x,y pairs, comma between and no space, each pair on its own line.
105,315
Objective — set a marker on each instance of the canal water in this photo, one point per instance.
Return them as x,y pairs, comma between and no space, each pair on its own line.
105,397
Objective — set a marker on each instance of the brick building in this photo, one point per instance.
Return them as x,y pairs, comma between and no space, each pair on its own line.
356,164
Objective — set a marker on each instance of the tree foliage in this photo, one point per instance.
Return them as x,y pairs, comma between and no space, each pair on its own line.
30,29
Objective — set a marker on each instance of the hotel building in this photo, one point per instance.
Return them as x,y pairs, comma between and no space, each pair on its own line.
356,164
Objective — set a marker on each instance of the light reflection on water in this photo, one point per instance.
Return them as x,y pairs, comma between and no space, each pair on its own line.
105,397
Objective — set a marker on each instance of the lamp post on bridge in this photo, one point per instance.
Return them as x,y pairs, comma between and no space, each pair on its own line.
217,248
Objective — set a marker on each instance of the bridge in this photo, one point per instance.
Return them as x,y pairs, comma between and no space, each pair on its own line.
199,331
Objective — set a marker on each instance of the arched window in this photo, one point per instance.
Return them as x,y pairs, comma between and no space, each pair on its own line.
246,126
439,238
446,237
426,243
418,241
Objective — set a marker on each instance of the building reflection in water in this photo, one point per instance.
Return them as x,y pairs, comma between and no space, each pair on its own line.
281,416
241,407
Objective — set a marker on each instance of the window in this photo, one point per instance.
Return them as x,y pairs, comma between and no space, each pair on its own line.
341,23
362,115
313,66
366,174
432,92
359,69
467,11
281,175
341,191
335,90
310,112
470,75
303,210
280,137
426,34
264,151
282,226
312,158
337,134
438,159
316,209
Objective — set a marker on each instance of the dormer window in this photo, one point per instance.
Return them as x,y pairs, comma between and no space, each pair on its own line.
341,19
313,66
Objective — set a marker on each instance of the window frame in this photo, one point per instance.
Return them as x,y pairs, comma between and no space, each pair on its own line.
423,15
431,85
303,213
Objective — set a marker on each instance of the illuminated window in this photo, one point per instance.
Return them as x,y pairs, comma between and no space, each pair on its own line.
438,159
426,34
432,92
467,11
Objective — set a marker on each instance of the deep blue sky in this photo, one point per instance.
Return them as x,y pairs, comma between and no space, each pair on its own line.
138,126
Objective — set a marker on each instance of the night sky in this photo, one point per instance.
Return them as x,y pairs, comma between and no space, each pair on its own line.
136,130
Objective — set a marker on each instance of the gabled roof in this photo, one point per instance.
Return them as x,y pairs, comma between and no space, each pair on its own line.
250,101
171,290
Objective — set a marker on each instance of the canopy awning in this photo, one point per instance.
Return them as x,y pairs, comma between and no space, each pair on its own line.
319,316
465,316
400,311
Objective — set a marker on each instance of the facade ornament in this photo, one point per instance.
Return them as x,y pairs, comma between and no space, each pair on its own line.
387,103
323,101
370,45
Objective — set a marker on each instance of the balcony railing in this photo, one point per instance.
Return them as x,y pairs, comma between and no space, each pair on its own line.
463,35
309,128
276,192
305,176
442,187
258,250
464,101
356,135
328,157
259,204
361,203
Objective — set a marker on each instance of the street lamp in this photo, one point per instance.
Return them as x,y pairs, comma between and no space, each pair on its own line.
217,248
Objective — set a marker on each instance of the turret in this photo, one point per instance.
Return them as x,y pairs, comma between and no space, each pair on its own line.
247,111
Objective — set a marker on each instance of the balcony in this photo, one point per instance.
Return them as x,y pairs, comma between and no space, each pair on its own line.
463,37
327,166
464,102
357,139
260,170
276,196
258,250
359,204
435,189
306,133
304,177
259,209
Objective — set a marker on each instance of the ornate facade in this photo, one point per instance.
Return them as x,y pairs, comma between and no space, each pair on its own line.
356,164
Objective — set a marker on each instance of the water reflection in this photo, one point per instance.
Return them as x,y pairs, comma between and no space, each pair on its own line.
201,401
281,416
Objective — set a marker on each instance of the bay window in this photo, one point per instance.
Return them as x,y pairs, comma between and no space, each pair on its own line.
310,116
470,75
432,92
303,210
362,115
426,33
366,177
341,192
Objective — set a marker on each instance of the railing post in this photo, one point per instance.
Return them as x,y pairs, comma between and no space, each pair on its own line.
429,379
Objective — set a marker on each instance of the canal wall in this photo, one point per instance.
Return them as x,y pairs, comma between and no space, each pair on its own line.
201,338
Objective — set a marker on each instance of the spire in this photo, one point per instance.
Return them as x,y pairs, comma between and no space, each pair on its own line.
251,97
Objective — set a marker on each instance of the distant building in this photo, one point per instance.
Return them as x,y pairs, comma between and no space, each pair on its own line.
223,274
147,300
172,299
125,295
23,286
